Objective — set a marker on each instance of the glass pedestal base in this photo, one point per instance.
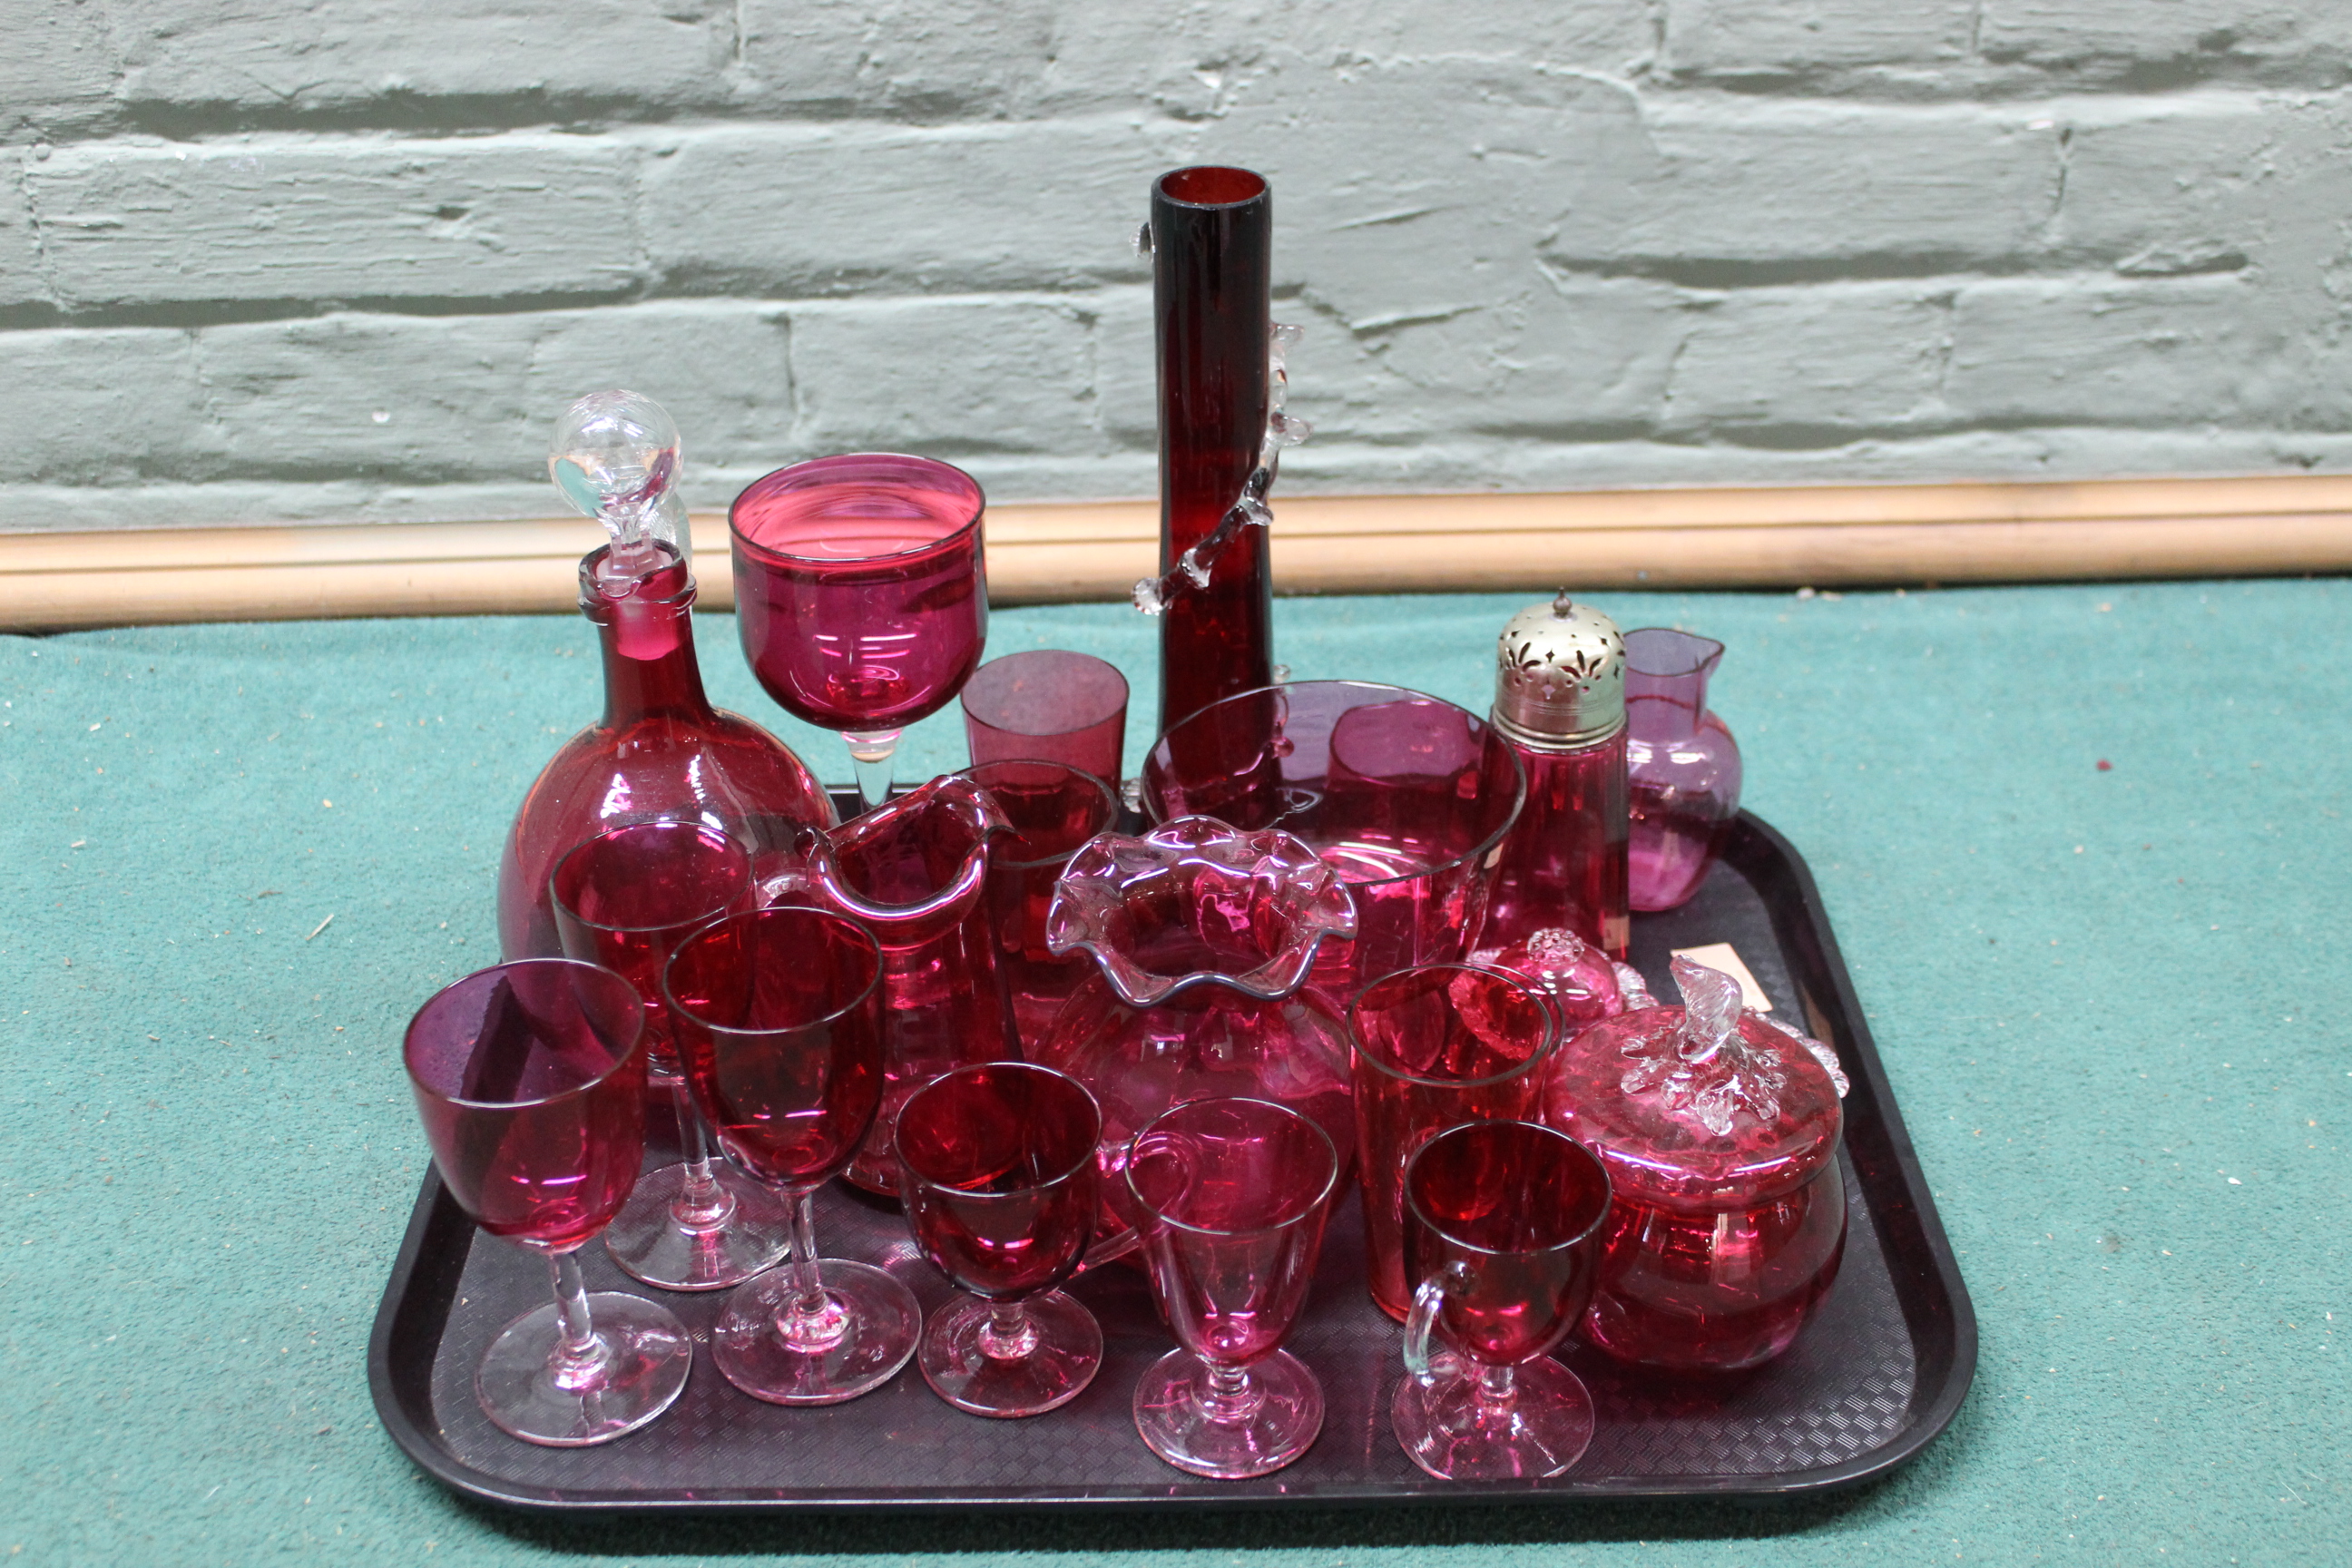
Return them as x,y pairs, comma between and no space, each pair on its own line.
646,1354
649,1242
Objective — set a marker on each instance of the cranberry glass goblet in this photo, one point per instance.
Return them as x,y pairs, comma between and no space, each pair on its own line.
996,1167
1400,793
1503,1223
1055,809
778,1018
625,898
1233,1195
530,1079
1435,1048
861,596
1049,704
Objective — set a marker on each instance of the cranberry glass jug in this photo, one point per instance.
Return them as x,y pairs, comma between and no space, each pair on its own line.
1721,1132
1204,937
913,872
1683,762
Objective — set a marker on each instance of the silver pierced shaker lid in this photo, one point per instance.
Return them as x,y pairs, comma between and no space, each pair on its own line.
1560,675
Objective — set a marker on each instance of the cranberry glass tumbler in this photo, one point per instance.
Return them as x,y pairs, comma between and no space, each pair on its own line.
996,1167
530,1079
625,898
1212,287
1233,1195
1435,1048
779,1018
1503,1232
1048,705
861,596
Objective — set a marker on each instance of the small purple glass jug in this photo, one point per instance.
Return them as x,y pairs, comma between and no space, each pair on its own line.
1683,762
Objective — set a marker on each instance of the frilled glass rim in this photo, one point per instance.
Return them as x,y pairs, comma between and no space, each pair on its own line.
1086,901
1480,727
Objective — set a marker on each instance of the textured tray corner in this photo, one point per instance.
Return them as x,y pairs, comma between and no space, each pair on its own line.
1870,1382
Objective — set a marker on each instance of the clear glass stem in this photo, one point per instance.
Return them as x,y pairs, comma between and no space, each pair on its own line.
702,1203
809,1321
1497,1391
1231,1398
869,757
1008,1335
578,1358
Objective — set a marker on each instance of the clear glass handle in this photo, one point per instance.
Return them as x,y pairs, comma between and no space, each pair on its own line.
1423,1318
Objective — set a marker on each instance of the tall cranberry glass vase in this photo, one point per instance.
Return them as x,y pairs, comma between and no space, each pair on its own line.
660,753
1211,235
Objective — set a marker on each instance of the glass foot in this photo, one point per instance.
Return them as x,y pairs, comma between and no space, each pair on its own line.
1057,1358
641,1360
1274,1419
650,1241
864,1333
1540,1428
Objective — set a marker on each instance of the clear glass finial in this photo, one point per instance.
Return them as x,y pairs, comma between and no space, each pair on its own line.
614,457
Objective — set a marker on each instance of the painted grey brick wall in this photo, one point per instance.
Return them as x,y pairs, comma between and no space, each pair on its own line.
346,259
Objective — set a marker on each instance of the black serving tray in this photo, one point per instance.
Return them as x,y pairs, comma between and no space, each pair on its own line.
1871,1382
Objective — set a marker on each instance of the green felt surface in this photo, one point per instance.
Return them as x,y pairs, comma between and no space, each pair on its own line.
2112,1005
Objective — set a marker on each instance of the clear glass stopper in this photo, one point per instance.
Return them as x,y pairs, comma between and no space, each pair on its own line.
614,457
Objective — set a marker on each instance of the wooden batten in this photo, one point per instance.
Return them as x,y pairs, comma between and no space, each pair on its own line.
1731,537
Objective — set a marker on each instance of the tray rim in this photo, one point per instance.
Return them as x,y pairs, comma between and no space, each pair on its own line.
1752,839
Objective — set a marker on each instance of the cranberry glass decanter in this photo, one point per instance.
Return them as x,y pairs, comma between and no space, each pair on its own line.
661,753
913,873
1204,937
1721,1132
1684,763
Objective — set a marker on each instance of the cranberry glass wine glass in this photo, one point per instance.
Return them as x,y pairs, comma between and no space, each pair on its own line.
1234,1194
1502,1224
530,1079
625,898
996,1167
778,1016
861,596
1436,1046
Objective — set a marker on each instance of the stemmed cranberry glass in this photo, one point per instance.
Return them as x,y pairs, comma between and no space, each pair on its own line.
861,596
1503,1223
530,1079
1233,1195
996,1167
778,1016
625,898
